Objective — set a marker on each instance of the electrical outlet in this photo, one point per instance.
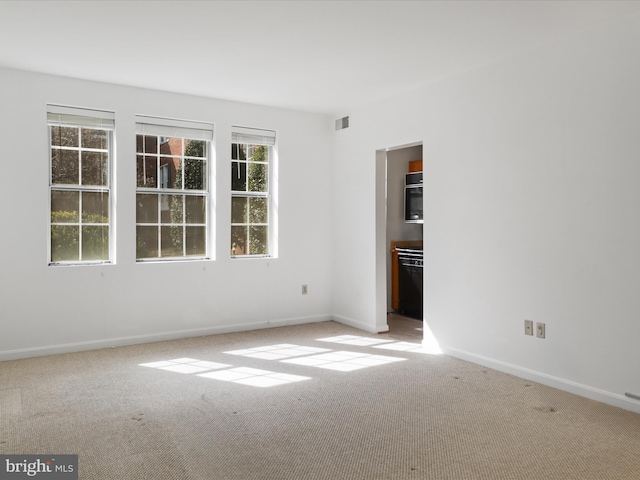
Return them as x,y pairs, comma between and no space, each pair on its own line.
540,330
528,327
305,289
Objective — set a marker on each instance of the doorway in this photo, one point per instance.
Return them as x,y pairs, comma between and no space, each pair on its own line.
392,230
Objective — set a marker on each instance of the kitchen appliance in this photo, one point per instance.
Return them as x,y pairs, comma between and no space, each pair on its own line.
410,268
413,197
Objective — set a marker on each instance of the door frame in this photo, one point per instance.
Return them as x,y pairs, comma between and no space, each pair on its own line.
381,246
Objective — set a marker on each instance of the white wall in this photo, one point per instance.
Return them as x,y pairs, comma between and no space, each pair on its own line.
532,187
51,309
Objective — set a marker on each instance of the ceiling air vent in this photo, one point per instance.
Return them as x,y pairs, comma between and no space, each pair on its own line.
342,123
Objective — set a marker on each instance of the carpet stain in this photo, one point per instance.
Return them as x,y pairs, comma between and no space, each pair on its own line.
546,409
139,418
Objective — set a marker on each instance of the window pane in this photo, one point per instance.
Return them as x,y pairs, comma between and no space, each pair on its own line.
238,177
94,138
239,210
95,207
195,208
194,174
171,209
64,243
238,240
171,146
95,242
140,175
150,144
258,177
258,210
146,208
258,244
64,167
242,152
196,241
195,148
65,207
170,173
259,153
147,171
94,168
139,144
171,241
146,242
64,136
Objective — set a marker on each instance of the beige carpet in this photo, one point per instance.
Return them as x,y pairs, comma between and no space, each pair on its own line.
358,412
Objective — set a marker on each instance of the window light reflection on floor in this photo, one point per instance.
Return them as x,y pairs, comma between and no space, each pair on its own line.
277,352
185,365
253,376
225,372
429,344
343,361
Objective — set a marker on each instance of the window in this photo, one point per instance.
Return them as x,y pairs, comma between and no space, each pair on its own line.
251,167
172,194
80,152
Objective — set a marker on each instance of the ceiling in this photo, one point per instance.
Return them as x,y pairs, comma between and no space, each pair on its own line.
317,56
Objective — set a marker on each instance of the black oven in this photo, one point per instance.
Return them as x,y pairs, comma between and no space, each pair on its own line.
410,265
413,197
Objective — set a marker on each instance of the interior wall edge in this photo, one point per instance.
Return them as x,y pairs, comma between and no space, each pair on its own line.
575,388
351,322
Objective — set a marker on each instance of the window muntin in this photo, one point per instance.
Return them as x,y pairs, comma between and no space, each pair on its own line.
172,193
251,161
80,145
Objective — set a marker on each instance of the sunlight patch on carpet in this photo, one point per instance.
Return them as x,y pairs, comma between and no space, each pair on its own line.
185,365
277,352
343,361
225,372
253,376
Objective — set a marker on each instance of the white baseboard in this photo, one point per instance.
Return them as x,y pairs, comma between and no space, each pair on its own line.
549,380
155,337
350,322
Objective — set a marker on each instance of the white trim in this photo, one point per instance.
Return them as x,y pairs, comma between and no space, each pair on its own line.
155,337
166,127
65,110
549,380
360,325
253,136
80,117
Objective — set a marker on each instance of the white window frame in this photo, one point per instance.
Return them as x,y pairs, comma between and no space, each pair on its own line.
164,129
264,137
65,116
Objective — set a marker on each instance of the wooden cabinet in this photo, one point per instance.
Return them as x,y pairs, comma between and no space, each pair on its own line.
415,166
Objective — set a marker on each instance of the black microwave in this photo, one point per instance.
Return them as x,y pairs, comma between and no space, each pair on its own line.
413,197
